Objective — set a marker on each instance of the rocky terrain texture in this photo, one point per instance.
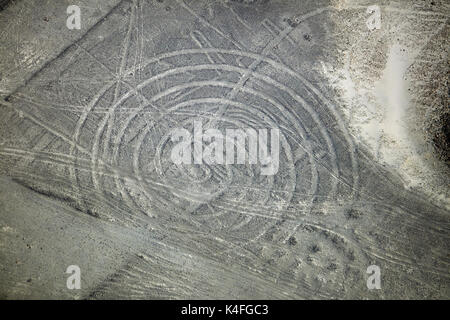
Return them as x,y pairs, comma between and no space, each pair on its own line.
86,177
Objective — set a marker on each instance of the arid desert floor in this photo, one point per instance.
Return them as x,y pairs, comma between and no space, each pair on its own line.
357,89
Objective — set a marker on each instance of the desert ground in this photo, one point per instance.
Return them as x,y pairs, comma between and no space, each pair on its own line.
358,90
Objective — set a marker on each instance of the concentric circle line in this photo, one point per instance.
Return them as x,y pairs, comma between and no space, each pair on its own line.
230,68
137,172
79,125
256,56
237,69
180,87
284,141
